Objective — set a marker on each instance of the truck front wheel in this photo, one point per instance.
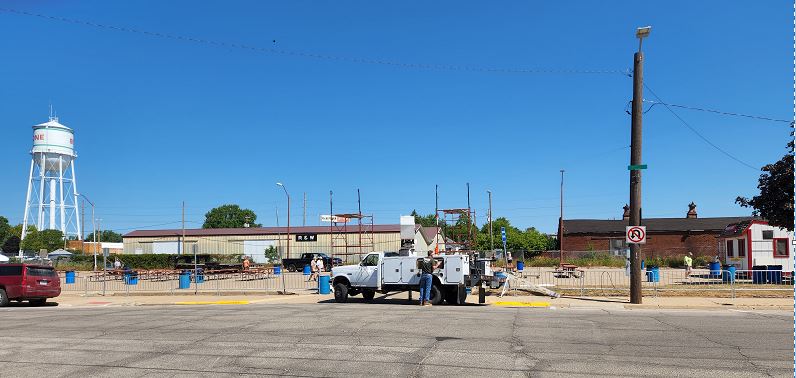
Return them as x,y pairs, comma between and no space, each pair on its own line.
340,292
291,268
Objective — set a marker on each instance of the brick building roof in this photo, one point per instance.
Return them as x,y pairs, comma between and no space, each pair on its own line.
654,225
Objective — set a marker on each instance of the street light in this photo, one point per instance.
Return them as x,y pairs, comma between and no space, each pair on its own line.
93,225
288,217
642,33
491,240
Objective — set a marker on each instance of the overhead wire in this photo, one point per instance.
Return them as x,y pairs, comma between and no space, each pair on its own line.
697,133
762,118
312,55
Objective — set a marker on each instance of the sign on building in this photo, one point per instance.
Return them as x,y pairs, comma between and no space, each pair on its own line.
333,218
306,237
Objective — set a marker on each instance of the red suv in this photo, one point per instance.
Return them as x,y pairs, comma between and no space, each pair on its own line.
23,282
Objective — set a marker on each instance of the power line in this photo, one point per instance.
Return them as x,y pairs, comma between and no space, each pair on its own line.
763,118
311,55
706,140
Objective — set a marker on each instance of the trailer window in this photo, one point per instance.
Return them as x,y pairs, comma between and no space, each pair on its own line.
730,251
781,247
741,248
768,234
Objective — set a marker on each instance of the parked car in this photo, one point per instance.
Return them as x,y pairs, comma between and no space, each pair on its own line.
295,264
26,282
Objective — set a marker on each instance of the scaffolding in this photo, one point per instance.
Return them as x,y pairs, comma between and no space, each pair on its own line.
341,236
457,227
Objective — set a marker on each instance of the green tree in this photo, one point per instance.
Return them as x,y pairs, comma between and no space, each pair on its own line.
424,220
11,244
272,254
775,201
5,229
105,236
230,216
46,239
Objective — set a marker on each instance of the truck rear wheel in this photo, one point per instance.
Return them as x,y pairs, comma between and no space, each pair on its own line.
340,293
436,295
291,268
368,294
3,298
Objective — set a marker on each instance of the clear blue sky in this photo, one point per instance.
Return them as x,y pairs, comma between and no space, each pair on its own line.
159,121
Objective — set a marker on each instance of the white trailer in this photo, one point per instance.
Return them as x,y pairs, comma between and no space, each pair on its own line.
380,273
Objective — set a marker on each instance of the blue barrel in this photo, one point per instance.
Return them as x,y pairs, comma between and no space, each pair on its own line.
277,270
642,264
131,279
520,266
185,280
728,274
323,285
715,269
70,277
774,274
653,274
759,274
200,278
307,270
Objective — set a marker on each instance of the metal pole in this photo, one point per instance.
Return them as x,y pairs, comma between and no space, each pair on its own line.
304,216
182,242
331,237
561,224
359,212
104,260
635,175
491,240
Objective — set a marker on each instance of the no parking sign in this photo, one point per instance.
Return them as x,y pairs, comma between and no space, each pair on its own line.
636,234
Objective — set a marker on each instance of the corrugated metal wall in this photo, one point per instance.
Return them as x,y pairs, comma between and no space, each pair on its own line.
387,241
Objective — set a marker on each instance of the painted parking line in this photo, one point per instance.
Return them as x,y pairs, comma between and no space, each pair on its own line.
213,303
522,304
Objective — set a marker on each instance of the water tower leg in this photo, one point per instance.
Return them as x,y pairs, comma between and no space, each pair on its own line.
61,193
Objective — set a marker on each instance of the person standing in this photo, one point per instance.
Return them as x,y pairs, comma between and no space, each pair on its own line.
319,265
426,268
314,269
246,263
688,263
117,264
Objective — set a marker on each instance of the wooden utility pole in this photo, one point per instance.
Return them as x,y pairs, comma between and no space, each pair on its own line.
304,216
635,164
561,224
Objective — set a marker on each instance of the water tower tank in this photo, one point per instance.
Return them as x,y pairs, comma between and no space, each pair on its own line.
54,141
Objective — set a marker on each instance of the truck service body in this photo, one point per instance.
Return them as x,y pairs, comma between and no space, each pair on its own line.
380,273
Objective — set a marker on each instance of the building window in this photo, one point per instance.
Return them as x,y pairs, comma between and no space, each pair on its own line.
741,248
730,252
768,234
781,247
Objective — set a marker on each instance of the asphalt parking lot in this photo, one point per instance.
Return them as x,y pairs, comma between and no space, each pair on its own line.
391,338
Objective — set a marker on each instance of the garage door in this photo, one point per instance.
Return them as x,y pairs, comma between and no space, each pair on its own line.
256,249
169,247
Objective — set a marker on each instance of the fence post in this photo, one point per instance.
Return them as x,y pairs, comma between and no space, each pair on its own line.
582,279
732,286
218,286
85,287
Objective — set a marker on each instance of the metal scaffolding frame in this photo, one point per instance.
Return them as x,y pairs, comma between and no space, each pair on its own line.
456,237
364,240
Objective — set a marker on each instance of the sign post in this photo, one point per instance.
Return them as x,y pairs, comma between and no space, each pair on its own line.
505,253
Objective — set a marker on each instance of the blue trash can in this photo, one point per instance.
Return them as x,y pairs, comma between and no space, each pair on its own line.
653,273
277,270
200,277
715,269
131,279
728,274
185,280
307,270
759,274
774,274
520,266
642,264
323,285
70,277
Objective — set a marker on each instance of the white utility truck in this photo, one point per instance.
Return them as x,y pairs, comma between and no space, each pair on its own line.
391,272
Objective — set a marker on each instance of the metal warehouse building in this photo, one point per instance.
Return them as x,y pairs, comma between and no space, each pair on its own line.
346,244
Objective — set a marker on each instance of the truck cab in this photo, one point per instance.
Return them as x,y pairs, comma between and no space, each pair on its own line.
377,272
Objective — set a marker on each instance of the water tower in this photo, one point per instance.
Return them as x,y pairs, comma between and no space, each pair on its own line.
51,200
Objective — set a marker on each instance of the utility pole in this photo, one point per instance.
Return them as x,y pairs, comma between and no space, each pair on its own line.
561,224
436,218
491,240
331,237
635,163
182,242
288,217
82,222
304,217
104,258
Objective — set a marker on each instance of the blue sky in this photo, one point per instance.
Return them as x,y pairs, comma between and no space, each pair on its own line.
159,121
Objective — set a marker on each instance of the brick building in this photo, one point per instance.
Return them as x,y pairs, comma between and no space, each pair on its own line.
665,236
